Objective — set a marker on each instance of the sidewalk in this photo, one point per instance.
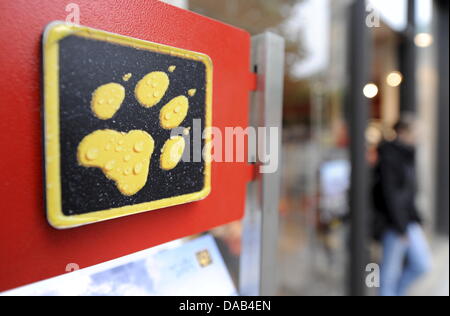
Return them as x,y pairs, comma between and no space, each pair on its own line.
437,282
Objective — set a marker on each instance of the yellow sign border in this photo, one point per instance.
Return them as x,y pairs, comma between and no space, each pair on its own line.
54,33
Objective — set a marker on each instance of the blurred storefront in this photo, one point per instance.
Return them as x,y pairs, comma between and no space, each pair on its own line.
314,252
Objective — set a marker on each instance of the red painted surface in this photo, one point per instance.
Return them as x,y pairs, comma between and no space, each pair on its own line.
30,250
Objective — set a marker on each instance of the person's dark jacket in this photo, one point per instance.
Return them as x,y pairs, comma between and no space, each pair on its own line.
396,186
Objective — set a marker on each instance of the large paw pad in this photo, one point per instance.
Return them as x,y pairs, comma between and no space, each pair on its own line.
123,158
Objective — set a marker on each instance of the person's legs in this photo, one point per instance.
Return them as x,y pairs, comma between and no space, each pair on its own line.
394,251
418,259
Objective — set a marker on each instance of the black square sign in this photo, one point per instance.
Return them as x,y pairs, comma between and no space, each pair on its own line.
112,104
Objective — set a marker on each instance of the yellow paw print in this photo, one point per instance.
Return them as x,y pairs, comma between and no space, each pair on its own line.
125,157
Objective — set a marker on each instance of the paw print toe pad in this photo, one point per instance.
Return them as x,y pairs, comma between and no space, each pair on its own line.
107,99
152,88
174,112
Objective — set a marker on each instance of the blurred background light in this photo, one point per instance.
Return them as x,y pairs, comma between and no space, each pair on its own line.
370,90
423,40
394,79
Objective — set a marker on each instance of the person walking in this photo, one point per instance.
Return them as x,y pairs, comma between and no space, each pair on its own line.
406,255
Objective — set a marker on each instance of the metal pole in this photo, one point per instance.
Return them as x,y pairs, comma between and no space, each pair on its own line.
443,118
260,234
359,63
408,65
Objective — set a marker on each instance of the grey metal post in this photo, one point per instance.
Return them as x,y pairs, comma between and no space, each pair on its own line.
260,234
408,63
442,12
360,64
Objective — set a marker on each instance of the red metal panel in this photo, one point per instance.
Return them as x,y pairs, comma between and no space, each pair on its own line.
30,250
